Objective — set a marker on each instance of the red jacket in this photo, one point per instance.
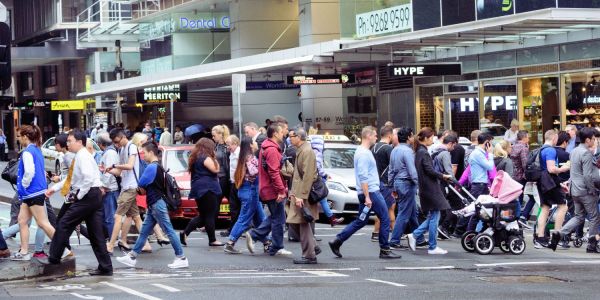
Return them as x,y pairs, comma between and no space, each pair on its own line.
270,181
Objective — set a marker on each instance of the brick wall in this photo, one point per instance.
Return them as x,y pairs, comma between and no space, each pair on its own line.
426,107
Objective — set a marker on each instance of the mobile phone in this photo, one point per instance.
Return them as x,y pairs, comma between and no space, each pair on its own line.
49,174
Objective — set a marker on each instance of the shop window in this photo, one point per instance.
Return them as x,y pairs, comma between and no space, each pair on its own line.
579,3
497,60
500,107
457,11
361,105
469,64
463,87
583,99
49,75
464,114
577,51
540,107
537,56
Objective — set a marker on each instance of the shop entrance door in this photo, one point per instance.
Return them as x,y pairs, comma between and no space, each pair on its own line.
462,113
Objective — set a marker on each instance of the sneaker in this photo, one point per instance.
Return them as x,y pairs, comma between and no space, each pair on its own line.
563,245
398,247
523,222
283,252
423,244
437,251
443,233
224,233
540,243
179,262
267,246
388,254
18,256
127,260
67,253
228,248
554,240
412,242
249,242
40,254
375,237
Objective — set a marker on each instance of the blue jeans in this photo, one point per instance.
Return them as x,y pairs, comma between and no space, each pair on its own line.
110,206
251,210
326,210
407,209
430,224
274,224
380,208
157,213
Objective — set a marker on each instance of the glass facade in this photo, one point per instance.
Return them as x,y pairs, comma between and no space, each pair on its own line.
457,11
500,106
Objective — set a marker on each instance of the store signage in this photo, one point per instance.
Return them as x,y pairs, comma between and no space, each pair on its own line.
388,20
494,8
162,94
38,103
497,102
270,85
68,105
591,100
201,21
321,79
424,70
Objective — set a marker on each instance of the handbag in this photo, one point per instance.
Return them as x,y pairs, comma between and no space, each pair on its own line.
318,191
11,171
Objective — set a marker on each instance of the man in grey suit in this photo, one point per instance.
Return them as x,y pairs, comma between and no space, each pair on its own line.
585,179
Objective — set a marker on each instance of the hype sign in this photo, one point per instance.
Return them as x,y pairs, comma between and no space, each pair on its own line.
508,102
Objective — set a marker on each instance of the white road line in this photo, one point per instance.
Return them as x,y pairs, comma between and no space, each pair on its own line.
166,287
514,263
421,268
326,273
246,273
386,282
130,291
340,269
91,297
585,261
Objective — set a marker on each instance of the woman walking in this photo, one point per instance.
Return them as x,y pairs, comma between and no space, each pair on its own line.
31,186
246,182
430,193
220,133
502,158
206,190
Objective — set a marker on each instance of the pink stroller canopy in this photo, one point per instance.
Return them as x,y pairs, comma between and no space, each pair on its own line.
504,188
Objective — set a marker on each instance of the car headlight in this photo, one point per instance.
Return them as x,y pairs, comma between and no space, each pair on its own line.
184,193
332,185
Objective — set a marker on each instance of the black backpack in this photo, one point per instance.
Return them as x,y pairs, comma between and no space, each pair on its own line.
533,170
171,193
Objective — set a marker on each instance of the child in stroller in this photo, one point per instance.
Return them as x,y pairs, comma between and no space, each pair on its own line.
497,211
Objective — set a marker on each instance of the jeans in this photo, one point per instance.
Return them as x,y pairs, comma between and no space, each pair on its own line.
157,213
325,206
407,209
429,225
477,189
526,212
251,210
380,208
273,224
110,207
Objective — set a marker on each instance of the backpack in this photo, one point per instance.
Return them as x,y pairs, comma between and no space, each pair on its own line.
171,193
533,169
437,163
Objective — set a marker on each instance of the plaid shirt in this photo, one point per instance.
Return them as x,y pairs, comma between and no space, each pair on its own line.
519,154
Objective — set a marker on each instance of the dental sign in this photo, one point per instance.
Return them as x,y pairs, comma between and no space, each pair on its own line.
497,102
388,20
415,70
201,22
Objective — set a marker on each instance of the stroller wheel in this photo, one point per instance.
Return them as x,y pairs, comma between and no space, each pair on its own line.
578,242
504,246
484,243
516,245
467,241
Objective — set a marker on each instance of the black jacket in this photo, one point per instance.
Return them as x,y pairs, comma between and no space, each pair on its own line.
430,191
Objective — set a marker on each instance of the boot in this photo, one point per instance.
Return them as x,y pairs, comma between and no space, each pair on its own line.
335,221
388,254
592,245
335,247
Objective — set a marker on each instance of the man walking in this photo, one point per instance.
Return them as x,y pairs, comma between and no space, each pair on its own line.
442,162
300,212
584,190
110,185
251,130
481,161
518,155
83,183
369,196
382,152
572,131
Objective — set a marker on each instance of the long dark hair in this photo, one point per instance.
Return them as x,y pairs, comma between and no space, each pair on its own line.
423,134
245,152
204,147
33,133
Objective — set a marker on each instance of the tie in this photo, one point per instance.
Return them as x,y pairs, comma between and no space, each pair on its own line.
67,186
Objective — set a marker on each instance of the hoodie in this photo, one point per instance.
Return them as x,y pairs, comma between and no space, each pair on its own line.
271,182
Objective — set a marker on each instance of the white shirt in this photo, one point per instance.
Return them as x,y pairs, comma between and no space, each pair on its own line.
85,174
233,161
165,139
109,158
128,179
511,136
29,169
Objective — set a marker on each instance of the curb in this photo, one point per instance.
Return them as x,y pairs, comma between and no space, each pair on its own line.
12,270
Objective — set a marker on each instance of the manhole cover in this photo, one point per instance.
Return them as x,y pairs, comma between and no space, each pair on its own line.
521,279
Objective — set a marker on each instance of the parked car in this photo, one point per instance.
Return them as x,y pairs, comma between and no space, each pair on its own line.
174,160
338,163
53,158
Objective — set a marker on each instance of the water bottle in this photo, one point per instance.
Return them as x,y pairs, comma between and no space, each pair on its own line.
364,213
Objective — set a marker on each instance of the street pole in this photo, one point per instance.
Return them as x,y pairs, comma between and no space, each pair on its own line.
173,97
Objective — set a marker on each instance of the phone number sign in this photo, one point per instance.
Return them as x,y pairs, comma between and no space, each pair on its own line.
393,19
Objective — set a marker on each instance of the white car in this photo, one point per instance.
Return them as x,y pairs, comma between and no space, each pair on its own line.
338,163
53,158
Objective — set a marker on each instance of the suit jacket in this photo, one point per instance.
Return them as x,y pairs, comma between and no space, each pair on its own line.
305,173
584,174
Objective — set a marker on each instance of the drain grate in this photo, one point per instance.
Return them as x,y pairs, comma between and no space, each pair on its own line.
521,279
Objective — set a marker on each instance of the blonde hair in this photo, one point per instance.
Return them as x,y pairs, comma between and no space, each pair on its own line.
137,138
233,139
501,149
514,122
222,130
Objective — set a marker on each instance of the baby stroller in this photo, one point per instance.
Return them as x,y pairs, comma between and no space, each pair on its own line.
497,211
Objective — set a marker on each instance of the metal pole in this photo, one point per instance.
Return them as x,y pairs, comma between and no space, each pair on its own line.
239,105
172,120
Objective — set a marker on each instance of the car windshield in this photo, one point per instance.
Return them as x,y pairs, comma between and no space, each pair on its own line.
338,158
177,160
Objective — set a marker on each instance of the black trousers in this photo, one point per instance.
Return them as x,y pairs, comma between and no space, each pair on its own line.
234,206
208,208
2,154
91,210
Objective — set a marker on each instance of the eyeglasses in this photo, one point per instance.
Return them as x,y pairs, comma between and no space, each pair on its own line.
291,135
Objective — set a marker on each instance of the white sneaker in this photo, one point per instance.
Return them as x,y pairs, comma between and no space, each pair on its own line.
437,250
66,253
127,260
18,256
179,263
249,242
412,242
283,252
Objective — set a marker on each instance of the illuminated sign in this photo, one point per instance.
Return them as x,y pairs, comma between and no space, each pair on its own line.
162,94
497,102
591,100
415,70
68,105
388,20
320,79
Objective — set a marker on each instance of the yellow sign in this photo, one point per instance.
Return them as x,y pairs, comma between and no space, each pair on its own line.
68,105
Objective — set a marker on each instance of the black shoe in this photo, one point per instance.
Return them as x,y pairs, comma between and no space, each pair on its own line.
388,254
554,239
163,242
375,237
398,247
293,240
183,238
317,250
99,272
305,261
423,244
335,247
318,239
592,245
443,233
540,243
224,233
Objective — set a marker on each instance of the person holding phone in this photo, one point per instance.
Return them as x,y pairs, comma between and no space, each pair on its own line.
481,161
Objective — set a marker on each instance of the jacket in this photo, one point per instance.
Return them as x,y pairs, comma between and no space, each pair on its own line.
318,145
430,191
305,173
270,181
584,174
519,154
